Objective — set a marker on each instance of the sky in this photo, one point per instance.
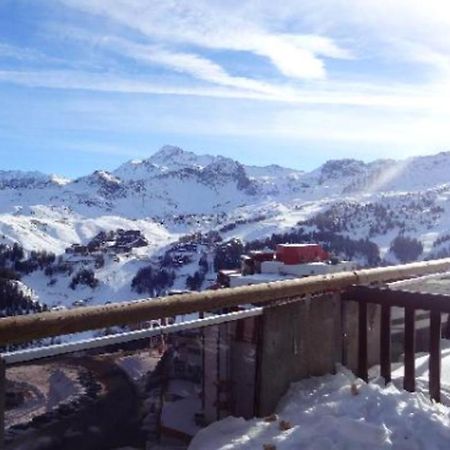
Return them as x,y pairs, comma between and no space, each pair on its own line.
89,84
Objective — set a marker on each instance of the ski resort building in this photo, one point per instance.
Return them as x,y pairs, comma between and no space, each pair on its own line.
288,261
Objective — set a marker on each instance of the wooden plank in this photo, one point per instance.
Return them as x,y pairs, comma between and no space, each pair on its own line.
409,381
35,326
362,341
435,356
2,401
385,343
402,299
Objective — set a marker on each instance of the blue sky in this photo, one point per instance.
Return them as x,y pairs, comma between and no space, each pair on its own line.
87,84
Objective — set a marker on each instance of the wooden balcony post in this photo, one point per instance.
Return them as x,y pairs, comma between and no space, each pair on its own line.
385,343
409,381
435,356
362,341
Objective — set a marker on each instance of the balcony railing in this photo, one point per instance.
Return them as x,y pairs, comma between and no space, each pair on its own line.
411,302
267,300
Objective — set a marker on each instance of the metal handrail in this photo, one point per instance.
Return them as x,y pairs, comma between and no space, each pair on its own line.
31,354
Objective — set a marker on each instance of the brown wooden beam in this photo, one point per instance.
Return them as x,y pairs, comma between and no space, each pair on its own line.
401,299
26,328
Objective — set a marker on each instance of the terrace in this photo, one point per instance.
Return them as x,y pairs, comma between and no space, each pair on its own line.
248,343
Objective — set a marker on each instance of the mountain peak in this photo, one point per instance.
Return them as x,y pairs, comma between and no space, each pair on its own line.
175,158
338,168
168,153
20,179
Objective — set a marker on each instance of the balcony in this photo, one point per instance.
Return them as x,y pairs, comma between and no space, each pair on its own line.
237,358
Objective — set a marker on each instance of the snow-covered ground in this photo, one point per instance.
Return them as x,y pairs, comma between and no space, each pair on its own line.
338,412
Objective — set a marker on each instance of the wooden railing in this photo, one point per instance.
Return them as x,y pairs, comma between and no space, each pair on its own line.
18,329
436,304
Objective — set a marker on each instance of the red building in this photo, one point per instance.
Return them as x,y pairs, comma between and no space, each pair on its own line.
300,253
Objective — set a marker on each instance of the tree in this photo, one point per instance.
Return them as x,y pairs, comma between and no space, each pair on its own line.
203,263
406,249
228,255
194,283
17,252
151,281
86,277
143,280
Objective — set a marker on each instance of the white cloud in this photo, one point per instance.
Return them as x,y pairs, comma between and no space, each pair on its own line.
297,37
188,63
398,97
366,94
101,82
25,55
219,25
394,30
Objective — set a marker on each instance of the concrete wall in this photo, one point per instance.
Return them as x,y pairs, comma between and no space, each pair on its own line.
299,339
243,376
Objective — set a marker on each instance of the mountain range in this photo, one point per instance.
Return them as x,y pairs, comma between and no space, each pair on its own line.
175,193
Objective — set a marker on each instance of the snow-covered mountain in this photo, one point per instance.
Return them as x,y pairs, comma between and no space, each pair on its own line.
173,181
14,179
175,193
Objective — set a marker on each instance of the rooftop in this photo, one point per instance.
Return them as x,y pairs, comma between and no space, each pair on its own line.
298,245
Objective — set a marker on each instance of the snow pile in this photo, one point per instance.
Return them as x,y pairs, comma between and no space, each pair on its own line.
337,412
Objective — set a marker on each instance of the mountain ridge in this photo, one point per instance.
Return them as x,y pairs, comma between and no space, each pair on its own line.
171,158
